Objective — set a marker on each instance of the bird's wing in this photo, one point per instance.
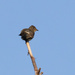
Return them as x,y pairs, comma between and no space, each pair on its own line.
24,31
27,32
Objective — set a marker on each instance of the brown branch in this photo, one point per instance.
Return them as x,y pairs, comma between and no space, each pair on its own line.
37,72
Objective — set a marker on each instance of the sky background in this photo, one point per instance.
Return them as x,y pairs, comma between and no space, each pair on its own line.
53,45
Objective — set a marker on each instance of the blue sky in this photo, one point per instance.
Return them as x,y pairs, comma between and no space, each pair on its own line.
53,45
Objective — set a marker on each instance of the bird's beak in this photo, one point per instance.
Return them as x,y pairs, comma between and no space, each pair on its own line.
37,30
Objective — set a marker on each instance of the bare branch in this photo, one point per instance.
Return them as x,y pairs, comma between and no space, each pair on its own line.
37,72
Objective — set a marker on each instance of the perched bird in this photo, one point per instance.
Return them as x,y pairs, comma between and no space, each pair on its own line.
28,33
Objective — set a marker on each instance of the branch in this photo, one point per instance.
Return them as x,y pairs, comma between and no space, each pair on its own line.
37,72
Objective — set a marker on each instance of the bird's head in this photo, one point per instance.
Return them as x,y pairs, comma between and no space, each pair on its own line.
33,28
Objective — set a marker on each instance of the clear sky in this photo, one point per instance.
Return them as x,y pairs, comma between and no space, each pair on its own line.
53,45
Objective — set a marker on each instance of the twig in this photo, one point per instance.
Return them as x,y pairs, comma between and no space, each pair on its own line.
37,72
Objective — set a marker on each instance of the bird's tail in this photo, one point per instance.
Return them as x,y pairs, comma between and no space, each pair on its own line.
19,34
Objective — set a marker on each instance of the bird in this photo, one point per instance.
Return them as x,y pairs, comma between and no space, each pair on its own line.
28,33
